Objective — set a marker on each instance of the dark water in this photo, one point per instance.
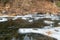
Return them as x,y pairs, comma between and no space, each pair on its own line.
33,36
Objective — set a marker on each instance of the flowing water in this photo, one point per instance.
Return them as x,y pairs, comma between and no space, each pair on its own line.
8,29
26,38
33,36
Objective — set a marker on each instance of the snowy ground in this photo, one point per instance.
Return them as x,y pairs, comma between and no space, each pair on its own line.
3,19
51,32
31,17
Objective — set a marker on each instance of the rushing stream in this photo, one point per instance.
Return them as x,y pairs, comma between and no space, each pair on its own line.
9,28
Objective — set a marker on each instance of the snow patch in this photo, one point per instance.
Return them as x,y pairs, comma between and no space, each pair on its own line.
51,32
3,19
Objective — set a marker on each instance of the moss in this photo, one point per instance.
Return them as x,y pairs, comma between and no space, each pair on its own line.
58,3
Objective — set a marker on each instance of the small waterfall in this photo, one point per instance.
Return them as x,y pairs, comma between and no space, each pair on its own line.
26,37
31,38
51,25
13,38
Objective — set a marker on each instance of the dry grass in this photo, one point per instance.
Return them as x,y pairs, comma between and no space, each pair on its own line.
23,7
